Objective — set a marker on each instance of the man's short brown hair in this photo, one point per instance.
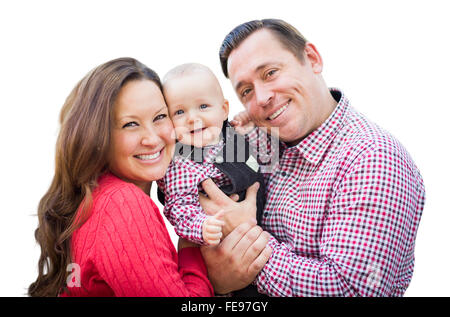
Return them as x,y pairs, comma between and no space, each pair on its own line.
288,36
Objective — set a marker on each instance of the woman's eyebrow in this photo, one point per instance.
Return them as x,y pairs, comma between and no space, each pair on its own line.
162,108
125,116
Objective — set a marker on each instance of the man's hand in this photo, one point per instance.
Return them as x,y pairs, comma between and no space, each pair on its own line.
235,213
235,262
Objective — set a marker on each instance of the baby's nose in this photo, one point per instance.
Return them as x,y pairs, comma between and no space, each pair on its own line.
194,118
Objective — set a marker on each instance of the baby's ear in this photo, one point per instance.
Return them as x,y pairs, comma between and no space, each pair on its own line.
226,108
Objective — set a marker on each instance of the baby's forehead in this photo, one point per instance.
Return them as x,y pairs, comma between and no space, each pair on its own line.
198,75
201,80
186,70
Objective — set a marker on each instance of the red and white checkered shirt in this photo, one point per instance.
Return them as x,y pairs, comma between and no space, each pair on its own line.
343,208
181,186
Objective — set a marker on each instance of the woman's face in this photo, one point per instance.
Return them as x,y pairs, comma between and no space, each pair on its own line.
142,134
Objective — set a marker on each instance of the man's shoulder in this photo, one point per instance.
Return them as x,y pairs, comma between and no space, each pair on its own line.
360,137
361,132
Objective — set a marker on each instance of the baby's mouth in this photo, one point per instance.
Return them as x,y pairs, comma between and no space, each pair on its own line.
195,131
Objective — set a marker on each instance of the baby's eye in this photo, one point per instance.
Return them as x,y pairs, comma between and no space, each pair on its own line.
203,106
178,112
130,124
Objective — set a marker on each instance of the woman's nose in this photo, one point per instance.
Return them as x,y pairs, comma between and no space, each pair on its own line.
149,137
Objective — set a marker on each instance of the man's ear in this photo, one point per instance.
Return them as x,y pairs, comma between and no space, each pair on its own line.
226,108
313,57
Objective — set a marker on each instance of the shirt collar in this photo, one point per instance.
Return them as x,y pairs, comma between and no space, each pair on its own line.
314,146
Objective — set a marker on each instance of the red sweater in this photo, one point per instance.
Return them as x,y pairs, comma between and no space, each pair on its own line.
124,249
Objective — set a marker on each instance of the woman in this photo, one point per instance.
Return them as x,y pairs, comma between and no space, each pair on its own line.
115,139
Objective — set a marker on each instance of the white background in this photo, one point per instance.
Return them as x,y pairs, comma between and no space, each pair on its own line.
391,58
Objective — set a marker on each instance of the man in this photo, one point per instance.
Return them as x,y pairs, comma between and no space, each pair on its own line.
344,204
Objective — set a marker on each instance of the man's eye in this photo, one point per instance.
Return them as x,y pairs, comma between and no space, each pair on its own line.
130,124
178,112
245,92
271,72
160,117
203,106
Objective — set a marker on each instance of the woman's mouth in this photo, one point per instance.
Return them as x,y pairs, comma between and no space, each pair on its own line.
148,157
277,113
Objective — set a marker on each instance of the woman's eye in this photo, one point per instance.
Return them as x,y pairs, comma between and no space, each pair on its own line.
160,117
130,124
203,106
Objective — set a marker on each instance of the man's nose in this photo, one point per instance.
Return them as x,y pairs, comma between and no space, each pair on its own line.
263,95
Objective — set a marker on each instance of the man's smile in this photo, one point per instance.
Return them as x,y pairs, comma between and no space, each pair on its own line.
277,113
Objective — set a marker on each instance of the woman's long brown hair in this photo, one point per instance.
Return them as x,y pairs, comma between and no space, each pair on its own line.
81,157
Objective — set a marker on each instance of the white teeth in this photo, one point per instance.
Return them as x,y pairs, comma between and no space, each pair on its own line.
279,111
148,157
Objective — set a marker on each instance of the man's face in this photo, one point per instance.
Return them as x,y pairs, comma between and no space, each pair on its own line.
277,90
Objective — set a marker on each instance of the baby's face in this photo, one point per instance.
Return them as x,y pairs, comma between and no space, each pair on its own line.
197,108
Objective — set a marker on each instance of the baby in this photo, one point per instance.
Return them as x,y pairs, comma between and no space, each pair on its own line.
199,113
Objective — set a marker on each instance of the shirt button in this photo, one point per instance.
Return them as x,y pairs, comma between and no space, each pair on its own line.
266,214
219,159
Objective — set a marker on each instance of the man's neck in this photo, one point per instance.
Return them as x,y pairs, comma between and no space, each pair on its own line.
326,103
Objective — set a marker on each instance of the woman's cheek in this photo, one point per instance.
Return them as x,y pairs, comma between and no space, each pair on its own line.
167,133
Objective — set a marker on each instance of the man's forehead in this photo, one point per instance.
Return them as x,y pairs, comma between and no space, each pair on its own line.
256,52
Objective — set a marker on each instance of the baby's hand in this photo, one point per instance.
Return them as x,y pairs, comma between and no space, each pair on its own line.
212,229
242,123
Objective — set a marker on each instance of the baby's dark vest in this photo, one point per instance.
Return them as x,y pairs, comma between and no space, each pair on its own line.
231,160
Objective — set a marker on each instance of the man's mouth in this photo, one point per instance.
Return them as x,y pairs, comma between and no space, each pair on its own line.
146,157
279,111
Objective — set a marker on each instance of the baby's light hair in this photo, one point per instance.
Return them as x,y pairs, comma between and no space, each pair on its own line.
188,69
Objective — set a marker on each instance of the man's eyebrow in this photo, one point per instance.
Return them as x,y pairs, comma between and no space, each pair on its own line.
257,69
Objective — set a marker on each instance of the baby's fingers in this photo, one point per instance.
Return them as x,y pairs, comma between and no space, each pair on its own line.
213,239
214,228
